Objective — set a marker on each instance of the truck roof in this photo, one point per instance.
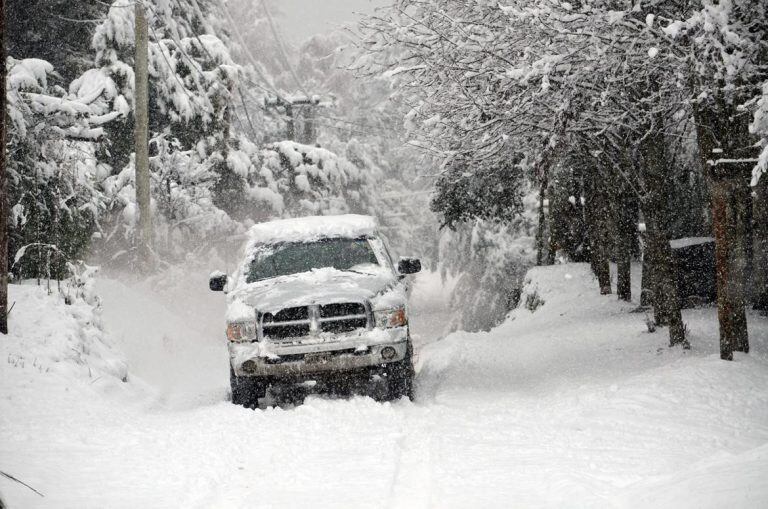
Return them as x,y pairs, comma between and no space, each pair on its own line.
308,229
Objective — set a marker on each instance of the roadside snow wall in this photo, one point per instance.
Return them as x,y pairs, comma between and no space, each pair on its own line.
52,337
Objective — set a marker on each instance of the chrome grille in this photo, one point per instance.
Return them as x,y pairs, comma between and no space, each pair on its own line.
300,321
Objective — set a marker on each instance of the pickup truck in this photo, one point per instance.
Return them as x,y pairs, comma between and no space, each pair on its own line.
318,300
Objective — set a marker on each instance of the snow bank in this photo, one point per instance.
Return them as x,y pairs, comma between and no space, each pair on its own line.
311,228
597,411
51,337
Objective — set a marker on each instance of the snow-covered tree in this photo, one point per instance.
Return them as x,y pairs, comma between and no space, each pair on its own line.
192,78
57,31
496,83
53,173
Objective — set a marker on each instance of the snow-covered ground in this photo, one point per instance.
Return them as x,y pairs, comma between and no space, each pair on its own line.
572,405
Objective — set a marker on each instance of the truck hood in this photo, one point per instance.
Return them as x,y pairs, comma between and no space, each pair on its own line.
319,286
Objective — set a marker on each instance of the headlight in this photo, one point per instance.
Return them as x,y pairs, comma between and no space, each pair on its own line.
391,318
241,331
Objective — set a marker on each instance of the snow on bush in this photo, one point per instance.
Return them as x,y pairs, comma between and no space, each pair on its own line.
52,337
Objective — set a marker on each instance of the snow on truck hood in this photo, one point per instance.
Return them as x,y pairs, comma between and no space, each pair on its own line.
318,286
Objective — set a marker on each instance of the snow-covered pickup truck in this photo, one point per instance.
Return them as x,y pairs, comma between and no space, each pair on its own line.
318,300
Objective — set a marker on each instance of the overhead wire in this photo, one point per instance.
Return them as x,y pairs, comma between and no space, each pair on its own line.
256,65
361,128
170,67
281,48
195,66
380,135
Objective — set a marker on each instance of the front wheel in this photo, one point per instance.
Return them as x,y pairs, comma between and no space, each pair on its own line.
400,378
246,390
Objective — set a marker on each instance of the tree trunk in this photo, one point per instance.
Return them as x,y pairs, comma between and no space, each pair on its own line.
625,238
760,246
646,279
730,266
722,134
596,214
540,232
666,302
141,134
3,189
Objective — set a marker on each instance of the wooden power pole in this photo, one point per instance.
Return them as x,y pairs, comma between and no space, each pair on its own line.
306,106
141,129
3,188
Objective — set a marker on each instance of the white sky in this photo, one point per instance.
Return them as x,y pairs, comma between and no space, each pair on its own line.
303,18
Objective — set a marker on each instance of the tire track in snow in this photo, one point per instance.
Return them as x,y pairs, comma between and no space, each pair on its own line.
412,476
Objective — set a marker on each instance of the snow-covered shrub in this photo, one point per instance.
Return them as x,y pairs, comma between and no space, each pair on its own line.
58,337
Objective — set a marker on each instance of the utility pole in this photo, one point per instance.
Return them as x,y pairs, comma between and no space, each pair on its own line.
141,128
3,188
290,123
306,105
310,133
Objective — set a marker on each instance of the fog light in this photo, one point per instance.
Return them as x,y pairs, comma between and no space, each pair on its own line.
388,353
249,366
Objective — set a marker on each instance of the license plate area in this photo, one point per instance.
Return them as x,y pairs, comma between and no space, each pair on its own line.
317,358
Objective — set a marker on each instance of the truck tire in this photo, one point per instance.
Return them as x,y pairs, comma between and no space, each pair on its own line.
246,390
400,378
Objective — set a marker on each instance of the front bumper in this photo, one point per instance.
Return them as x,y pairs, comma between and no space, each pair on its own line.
322,355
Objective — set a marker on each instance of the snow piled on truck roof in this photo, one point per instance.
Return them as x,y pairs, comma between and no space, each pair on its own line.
313,228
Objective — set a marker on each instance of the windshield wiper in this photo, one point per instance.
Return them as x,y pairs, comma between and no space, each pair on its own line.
358,272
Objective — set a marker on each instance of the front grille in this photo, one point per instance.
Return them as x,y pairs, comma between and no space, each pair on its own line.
286,331
348,325
342,309
296,322
287,323
288,315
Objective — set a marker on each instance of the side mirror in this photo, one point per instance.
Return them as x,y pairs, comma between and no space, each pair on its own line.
409,265
217,281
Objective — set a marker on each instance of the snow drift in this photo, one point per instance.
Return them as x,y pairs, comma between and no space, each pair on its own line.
56,339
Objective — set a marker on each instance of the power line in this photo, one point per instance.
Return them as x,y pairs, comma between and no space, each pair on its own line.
247,52
365,126
368,133
170,67
195,66
282,48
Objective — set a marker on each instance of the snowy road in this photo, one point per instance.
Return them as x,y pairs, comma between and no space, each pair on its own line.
573,405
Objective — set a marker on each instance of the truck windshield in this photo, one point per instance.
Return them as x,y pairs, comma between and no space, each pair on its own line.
296,257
